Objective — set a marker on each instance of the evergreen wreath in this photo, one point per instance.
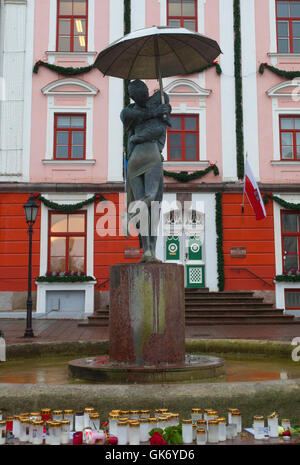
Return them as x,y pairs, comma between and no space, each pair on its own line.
287,278
186,177
220,253
64,71
281,202
70,208
279,72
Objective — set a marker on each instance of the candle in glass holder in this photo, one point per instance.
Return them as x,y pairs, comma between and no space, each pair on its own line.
134,414
196,415
236,418
134,433
206,412
201,436
57,415
69,415
286,424
36,416
187,431
213,431
222,429
79,421
24,429
122,434
55,433
37,432
16,426
9,423
65,431
152,423
113,424
162,422
86,416
144,429
95,421
202,424
46,414
2,431
144,414
194,432
259,426
273,425
47,432
230,410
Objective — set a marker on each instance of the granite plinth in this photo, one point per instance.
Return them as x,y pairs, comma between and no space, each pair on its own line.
146,319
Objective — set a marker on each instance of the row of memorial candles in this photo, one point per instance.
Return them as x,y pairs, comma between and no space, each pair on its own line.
130,426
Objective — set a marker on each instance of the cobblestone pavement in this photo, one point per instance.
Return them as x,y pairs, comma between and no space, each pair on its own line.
69,330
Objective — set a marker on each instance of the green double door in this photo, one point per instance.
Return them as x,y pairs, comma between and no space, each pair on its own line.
187,250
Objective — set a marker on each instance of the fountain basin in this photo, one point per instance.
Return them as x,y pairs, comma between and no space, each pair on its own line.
100,369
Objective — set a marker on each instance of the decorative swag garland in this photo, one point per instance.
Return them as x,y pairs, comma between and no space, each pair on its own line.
183,176
220,253
70,208
65,71
281,202
65,278
279,72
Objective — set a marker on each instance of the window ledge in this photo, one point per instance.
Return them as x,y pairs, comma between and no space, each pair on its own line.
89,55
283,55
69,162
189,164
285,163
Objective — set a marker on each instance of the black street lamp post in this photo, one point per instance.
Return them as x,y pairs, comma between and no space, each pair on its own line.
31,210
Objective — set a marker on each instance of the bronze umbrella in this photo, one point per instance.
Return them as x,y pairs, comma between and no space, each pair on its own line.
157,52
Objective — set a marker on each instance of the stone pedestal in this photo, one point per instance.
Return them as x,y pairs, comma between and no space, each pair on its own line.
146,320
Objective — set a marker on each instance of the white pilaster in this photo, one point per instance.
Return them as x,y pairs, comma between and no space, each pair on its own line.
115,128
249,70
227,91
138,14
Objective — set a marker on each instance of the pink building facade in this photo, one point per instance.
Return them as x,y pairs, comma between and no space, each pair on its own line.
62,138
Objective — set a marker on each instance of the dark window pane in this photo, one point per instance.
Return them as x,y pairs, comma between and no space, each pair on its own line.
287,123
174,7
62,138
290,244
64,44
176,122
296,28
175,139
298,152
295,9
58,247
189,24
287,138
283,10
59,223
190,123
65,7
79,7
287,153
77,122
175,153
77,151
188,8
298,138
76,223
290,223
77,138
63,121
297,123
283,29
283,46
191,140
79,43
296,45
191,153
79,27
292,299
64,27
174,23
62,151
290,263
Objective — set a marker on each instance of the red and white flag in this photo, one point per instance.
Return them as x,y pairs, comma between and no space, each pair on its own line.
253,194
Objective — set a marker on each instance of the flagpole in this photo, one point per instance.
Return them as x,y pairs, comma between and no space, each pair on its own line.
243,204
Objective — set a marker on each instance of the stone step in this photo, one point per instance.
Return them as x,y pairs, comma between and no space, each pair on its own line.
241,320
233,312
227,306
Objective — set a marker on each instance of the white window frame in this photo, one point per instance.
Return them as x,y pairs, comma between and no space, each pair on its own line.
52,53
84,90
183,108
275,93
